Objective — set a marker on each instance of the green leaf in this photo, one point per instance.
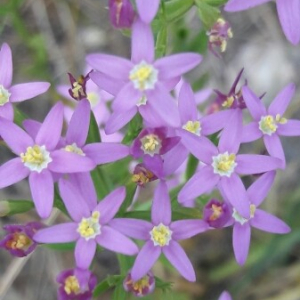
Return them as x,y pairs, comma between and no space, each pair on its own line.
130,191
183,213
19,117
107,283
163,285
119,293
161,42
207,13
215,2
61,247
93,134
191,167
134,128
16,206
139,214
102,183
175,9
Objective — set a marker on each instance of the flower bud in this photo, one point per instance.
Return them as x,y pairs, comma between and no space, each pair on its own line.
76,284
141,175
121,13
216,213
142,287
18,240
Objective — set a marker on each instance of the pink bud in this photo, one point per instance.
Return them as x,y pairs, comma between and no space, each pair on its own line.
121,13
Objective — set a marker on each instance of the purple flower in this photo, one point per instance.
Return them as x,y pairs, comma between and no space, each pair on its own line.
147,9
76,284
16,93
257,218
225,296
223,165
121,13
90,226
141,84
218,36
18,240
216,213
161,236
288,13
38,158
270,123
142,287
142,175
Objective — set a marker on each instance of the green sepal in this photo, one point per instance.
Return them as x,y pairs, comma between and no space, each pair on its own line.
133,129
175,9
102,183
93,133
119,293
161,42
130,191
208,14
19,117
215,2
13,207
106,284
61,247
191,168
163,285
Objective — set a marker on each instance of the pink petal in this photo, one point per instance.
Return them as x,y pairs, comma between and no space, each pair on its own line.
147,9
186,104
85,252
291,128
6,66
7,111
236,5
185,229
251,133
25,91
241,242
274,147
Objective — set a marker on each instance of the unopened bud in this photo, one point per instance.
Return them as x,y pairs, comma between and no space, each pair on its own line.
121,13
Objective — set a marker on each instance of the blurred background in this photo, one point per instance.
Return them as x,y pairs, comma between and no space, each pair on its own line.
51,37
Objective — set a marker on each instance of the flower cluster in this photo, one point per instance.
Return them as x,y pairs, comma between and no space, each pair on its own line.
170,130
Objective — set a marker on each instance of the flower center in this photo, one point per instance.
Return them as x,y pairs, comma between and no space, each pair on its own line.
228,102
89,228
268,124
216,212
224,164
19,241
193,127
140,285
93,98
161,235
72,285
151,144
238,218
143,76
75,149
36,158
4,95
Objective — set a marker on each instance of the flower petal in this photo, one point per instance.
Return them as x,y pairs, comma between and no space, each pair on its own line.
147,9
61,233
32,127
69,162
232,133
264,221
84,252
186,104
7,111
254,104
291,128
119,119
176,64
25,91
248,164
241,242
237,5
79,124
15,137
142,42
42,191
185,229
113,66
75,204
127,98
50,130
161,205
274,147
144,261
225,296
12,171
115,241
289,16
102,153
6,66
200,183
107,83
259,190
251,133
283,99
234,191
178,258
137,229
151,118
110,205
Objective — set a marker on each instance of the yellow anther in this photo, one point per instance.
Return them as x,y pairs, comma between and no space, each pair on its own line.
228,102
89,227
19,241
229,33
223,45
193,127
221,21
217,212
151,144
226,163
93,98
268,124
140,285
33,155
4,95
280,119
77,90
252,210
72,285
161,235
73,148
142,178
